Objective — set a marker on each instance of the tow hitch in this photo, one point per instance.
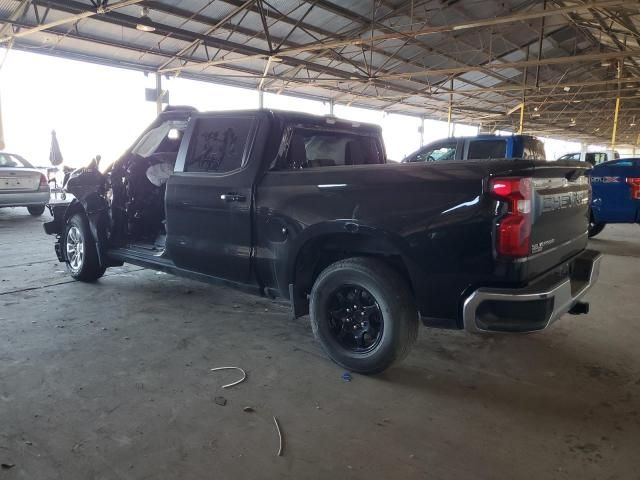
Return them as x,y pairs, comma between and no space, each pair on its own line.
579,308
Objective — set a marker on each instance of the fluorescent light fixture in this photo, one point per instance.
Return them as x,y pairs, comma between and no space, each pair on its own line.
148,25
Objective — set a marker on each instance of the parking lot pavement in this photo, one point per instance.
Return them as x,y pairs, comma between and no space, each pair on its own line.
112,380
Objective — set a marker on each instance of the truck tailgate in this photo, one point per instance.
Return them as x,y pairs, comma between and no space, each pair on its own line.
560,198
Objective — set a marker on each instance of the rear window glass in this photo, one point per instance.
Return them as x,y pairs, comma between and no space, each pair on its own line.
479,149
314,149
11,161
218,144
622,163
533,149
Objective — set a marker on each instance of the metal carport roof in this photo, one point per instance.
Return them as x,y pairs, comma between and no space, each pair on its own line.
567,61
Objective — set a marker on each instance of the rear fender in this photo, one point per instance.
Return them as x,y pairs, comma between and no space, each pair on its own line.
346,235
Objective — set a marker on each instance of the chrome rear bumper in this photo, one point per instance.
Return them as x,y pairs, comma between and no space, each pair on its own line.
534,307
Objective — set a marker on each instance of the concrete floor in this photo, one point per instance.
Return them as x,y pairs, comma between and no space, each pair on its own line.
112,381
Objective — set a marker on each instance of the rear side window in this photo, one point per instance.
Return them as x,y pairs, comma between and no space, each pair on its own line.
596,158
314,149
533,149
218,144
481,149
571,156
437,153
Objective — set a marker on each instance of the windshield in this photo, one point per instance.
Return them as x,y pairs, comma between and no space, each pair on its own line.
164,138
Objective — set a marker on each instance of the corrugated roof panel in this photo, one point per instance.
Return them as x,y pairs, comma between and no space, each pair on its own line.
342,72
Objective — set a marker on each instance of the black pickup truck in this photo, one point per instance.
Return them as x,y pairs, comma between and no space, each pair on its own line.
307,209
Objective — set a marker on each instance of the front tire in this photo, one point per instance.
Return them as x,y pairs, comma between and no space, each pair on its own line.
80,250
363,314
36,210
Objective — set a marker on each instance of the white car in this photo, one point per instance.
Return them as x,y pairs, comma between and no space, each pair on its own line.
594,158
22,185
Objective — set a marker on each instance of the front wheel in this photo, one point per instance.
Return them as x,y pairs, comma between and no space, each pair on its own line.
80,250
36,210
363,314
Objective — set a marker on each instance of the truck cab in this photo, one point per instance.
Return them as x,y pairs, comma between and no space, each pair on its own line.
481,147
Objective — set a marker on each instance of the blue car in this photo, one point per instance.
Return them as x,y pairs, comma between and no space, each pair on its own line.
616,194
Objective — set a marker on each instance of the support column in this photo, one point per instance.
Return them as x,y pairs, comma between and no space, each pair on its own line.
260,99
421,131
449,129
521,127
159,93
617,111
524,93
332,104
583,151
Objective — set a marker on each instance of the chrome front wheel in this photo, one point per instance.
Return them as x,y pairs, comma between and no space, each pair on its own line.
81,250
75,249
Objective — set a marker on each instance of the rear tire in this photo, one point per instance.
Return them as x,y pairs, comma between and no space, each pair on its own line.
36,210
363,314
80,250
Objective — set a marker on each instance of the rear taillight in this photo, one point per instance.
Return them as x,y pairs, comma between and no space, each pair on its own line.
513,233
634,183
43,181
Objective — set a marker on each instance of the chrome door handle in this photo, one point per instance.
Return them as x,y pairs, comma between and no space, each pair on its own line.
233,197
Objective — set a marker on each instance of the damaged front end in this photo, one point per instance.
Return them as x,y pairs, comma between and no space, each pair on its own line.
89,189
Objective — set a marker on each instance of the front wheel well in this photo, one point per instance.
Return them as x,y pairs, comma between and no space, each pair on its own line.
75,207
317,254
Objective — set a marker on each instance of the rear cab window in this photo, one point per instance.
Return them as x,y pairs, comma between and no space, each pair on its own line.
487,149
319,148
533,149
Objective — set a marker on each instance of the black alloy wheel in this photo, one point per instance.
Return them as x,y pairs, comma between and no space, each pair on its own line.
355,318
